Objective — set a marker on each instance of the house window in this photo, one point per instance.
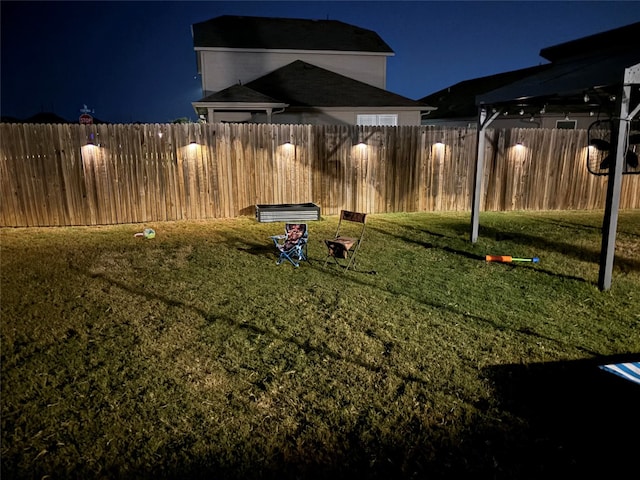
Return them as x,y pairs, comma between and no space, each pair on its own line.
390,120
566,124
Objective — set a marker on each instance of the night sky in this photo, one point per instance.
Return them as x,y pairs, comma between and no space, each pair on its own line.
134,61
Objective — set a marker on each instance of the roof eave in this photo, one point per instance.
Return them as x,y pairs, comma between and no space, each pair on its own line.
238,105
292,50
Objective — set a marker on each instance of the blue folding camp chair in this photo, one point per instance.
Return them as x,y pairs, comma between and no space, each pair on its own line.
292,245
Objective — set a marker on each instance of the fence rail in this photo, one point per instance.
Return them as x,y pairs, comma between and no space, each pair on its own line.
57,175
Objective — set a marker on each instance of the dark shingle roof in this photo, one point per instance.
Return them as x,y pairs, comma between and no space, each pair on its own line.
459,100
577,66
285,33
46,117
567,79
302,84
239,93
618,39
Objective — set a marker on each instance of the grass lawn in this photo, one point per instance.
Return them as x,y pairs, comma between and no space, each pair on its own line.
193,355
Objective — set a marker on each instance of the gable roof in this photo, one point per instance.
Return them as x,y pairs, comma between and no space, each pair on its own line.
237,98
239,93
230,31
459,99
301,84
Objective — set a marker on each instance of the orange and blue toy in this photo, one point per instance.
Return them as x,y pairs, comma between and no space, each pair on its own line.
509,259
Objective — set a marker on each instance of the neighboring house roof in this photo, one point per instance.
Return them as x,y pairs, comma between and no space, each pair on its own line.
9,119
623,38
589,64
301,84
46,117
285,33
567,81
459,99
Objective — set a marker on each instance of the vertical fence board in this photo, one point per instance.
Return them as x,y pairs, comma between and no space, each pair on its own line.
50,176
10,211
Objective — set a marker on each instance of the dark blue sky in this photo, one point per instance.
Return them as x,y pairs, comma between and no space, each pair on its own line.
134,61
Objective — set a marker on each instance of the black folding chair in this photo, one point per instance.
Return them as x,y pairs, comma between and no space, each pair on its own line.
292,246
343,249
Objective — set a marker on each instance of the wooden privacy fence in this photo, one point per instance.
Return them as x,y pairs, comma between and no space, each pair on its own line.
56,175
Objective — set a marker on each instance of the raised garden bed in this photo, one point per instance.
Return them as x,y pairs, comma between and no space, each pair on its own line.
288,212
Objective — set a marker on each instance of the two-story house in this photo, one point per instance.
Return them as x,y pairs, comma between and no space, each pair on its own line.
283,70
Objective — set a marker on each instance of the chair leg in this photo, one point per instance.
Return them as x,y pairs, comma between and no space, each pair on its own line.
350,264
293,257
329,257
352,260
336,261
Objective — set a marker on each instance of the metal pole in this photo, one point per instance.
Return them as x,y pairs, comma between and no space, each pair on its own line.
483,123
610,223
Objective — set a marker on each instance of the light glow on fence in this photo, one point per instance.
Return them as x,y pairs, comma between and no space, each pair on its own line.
193,150
518,152
438,149
287,149
89,148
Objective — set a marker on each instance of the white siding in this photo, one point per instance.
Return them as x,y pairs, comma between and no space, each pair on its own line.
333,117
221,69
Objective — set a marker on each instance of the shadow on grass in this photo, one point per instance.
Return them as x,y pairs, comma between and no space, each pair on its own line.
260,250
579,420
562,420
210,317
585,254
362,276
360,279
556,420
462,231
475,256
582,226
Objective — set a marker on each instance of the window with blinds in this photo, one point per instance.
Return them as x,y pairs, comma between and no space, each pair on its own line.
389,120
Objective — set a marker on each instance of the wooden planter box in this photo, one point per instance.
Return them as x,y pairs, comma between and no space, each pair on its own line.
288,212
